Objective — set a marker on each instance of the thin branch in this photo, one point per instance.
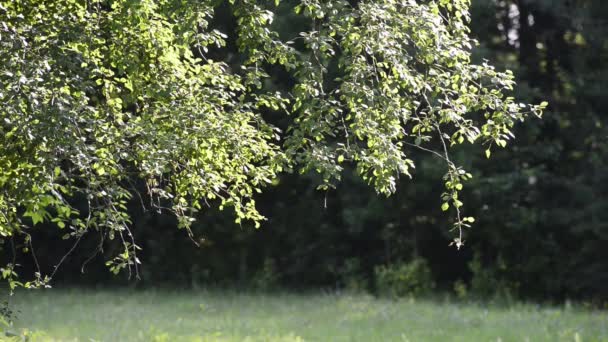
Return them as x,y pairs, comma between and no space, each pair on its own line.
29,238
452,166
437,154
66,255
95,253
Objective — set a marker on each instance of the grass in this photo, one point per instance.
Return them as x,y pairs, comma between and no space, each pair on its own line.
155,315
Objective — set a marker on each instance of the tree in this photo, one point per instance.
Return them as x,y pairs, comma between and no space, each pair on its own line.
548,190
104,98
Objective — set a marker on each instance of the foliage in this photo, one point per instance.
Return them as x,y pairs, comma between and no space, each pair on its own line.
99,95
402,279
539,206
7,318
104,100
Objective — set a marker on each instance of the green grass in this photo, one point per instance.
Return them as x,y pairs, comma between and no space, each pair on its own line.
89,315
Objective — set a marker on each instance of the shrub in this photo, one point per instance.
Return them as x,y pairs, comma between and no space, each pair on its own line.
402,279
267,278
488,280
460,289
352,278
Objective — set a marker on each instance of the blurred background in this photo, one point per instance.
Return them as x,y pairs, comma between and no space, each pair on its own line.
541,206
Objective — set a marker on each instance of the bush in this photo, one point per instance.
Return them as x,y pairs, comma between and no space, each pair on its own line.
267,278
488,280
460,289
352,278
413,278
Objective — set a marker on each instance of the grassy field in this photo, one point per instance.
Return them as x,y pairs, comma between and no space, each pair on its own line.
88,315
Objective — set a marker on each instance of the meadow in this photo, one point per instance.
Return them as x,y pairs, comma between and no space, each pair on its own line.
214,315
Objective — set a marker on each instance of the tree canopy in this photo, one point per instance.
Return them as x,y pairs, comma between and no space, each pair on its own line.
108,101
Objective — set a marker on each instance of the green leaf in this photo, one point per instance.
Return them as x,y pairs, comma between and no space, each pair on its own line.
37,217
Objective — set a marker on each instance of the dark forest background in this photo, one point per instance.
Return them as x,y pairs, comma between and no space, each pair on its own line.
541,207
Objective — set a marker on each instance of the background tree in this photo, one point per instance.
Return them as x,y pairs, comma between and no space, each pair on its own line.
548,190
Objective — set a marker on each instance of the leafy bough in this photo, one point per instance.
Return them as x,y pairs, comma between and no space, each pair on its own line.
99,96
